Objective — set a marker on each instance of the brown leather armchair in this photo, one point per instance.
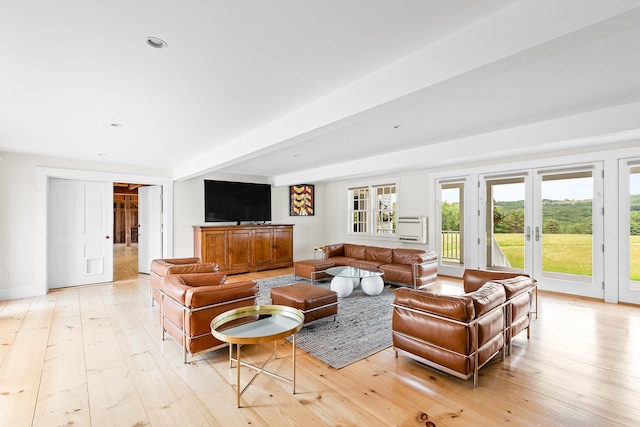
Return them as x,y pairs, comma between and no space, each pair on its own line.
161,268
190,301
518,288
455,334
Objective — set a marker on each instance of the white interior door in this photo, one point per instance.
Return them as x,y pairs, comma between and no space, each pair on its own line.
80,232
149,226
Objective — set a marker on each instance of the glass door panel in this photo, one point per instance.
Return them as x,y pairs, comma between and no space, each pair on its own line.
567,215
505,224
452,223
566,210
629,263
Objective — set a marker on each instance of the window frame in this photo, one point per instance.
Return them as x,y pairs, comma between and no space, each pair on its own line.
367,217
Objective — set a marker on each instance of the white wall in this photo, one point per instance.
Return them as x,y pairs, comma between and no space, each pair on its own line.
308,231
413,200
19,242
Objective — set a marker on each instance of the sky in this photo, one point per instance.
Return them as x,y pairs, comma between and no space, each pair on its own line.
569,189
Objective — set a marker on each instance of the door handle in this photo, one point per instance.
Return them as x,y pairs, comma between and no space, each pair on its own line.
537,234
528,234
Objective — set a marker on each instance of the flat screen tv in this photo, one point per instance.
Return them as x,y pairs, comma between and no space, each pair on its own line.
227,201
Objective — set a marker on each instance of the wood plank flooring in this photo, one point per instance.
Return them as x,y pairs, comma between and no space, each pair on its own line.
92,356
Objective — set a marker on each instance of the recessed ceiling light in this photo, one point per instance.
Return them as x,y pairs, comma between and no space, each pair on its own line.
116,125
156,42
397,127
101,154
296,155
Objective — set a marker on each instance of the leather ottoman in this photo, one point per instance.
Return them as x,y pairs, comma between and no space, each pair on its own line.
314,301
312,269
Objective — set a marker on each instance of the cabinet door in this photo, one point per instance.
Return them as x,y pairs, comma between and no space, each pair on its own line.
262,247
239,253
215,248
283,244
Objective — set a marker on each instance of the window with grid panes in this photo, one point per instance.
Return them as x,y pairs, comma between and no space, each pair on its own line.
382,209
359,210
385,209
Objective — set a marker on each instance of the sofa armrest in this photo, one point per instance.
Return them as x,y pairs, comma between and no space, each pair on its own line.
516,285
334,250
424,258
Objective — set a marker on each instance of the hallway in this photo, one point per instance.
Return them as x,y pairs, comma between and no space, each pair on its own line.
125,262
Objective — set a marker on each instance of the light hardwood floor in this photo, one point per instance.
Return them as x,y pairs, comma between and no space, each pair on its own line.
92,356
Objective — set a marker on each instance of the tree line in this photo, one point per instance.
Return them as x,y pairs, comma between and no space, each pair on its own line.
559,216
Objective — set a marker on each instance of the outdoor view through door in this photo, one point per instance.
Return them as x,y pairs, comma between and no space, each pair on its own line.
541,223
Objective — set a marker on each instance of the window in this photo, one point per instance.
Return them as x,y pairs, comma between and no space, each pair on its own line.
383,209
452,223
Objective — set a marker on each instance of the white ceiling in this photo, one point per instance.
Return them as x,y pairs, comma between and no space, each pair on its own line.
309,91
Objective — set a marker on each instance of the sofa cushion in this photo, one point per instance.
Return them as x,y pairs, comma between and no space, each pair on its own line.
379,255
406,256
354,251
398,273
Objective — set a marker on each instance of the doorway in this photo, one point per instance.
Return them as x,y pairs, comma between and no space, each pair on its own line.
43,177
547,223
125,231
137,228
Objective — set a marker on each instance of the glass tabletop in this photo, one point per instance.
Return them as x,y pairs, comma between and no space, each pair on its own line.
271,322
361,273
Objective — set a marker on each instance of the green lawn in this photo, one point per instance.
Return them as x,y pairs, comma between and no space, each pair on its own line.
563,253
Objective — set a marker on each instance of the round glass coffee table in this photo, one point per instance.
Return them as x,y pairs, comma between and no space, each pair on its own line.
254,325
345,279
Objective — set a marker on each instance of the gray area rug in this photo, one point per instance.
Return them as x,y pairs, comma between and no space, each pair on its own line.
362,327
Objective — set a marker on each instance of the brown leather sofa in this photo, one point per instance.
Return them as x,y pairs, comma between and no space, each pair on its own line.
455,334
407,267
189,302
161,268
443,331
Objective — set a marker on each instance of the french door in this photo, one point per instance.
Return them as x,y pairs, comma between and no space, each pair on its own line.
629,231
547,223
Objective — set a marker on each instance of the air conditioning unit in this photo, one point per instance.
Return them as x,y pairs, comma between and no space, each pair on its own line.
412,229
